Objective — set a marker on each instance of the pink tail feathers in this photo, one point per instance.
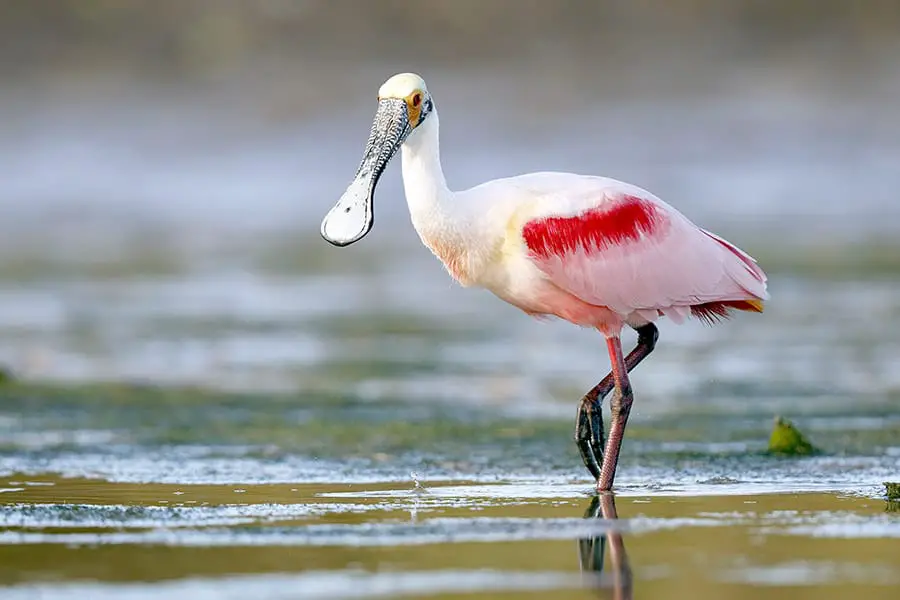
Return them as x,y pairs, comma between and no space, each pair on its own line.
746,275
744,271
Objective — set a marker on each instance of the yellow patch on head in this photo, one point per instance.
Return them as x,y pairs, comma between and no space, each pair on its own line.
408,87
414,107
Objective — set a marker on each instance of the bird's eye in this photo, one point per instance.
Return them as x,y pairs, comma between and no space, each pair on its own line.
417,100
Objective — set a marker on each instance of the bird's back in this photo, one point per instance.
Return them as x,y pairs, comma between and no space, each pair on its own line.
554,192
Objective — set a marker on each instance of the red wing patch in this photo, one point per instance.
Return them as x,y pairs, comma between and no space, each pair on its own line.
710,312
593,230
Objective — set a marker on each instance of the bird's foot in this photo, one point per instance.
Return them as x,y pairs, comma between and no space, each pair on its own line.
589,434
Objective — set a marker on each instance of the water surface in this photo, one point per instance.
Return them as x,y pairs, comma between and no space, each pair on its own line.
448,539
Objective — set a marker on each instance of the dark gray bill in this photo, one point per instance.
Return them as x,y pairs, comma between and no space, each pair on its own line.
352,217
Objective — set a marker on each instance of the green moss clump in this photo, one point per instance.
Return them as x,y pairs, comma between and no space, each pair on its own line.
892,491
6,376
787,440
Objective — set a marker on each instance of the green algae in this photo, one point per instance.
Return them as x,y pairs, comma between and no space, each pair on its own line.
892,490
786,440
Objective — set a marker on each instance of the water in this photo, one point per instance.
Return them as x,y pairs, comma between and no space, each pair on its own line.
442,540
215,403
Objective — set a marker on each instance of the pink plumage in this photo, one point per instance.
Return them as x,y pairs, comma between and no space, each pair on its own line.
641,259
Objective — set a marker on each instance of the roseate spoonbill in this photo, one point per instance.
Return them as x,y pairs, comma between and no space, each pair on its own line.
593,251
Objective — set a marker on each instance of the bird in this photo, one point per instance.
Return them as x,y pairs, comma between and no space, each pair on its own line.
594,251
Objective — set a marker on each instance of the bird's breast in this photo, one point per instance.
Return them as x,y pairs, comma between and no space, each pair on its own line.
453,255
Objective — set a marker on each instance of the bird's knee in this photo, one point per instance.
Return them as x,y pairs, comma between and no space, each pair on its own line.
622,400
648,335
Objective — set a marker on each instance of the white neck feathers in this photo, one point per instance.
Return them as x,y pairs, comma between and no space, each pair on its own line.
438,219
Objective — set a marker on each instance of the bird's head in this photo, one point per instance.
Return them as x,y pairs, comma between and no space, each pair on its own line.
406,92
403,105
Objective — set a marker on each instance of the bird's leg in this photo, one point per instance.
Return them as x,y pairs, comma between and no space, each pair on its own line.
620,408
620,404
589,421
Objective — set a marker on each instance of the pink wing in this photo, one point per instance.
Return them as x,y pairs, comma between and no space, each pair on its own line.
636,254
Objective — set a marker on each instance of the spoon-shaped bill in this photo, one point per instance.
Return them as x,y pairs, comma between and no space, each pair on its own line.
353,215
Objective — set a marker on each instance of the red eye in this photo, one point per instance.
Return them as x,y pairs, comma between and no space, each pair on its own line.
417,100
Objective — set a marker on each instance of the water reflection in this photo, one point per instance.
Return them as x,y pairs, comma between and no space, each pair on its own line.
592,551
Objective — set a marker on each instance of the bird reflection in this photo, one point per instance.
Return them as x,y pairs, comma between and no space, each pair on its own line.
592,551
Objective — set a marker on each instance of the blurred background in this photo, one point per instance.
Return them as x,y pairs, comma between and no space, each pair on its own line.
166,165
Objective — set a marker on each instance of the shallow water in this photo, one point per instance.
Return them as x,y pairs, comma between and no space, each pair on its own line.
121,490
437,539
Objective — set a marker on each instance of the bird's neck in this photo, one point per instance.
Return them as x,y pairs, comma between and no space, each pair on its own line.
423,178
439,221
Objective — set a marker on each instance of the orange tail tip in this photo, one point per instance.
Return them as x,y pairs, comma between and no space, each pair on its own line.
754,305
711,312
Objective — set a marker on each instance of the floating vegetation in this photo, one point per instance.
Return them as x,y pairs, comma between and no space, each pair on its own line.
892,491
787,440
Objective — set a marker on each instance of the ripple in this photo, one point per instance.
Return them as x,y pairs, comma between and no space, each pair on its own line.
324,585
